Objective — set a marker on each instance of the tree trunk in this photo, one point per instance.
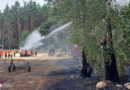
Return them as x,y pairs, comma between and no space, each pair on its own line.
84,64
32,22
111,69
111,72
86,68
19,27
26,25
0,34
1,31
9,35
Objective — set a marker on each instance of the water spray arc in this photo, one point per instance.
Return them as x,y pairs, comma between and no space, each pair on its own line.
35,39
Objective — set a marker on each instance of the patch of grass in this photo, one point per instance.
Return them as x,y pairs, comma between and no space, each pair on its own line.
87,82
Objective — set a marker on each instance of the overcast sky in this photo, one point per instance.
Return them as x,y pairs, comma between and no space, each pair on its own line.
11,2
41,2
123,2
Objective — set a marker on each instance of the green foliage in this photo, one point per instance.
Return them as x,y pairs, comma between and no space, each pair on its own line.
24,35
86,16
44,28
121,38
89,28
122,35
126,12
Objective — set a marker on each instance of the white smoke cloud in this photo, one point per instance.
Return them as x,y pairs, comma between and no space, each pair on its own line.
122,2
33,40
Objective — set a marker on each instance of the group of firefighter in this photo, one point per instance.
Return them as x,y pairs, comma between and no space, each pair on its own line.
28,53
7,53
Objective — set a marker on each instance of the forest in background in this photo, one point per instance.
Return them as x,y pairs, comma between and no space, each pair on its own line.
17,22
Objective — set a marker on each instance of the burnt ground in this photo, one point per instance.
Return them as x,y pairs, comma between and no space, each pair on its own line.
46,75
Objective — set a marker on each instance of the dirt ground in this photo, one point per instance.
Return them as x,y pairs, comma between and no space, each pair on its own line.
59,72
47,73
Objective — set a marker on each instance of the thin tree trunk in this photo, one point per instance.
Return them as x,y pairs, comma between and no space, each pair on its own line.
0,33
32,22
25,25
29,23
84,64
111,72
9,35
86,68
19,27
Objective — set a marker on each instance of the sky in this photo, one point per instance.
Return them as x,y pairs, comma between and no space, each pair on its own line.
3,3
41,2
123,2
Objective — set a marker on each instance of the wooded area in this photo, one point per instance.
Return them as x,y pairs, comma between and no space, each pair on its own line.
17,20
100,28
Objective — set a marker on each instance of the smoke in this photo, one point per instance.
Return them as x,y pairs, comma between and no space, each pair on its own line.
122,2
35,39
59,30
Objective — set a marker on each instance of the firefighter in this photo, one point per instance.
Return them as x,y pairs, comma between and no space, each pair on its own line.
24,53
14,52
11,55
29,52
9,52
51,50
5,52
0,54
35,53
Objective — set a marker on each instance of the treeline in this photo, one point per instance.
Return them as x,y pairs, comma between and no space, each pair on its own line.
17,19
